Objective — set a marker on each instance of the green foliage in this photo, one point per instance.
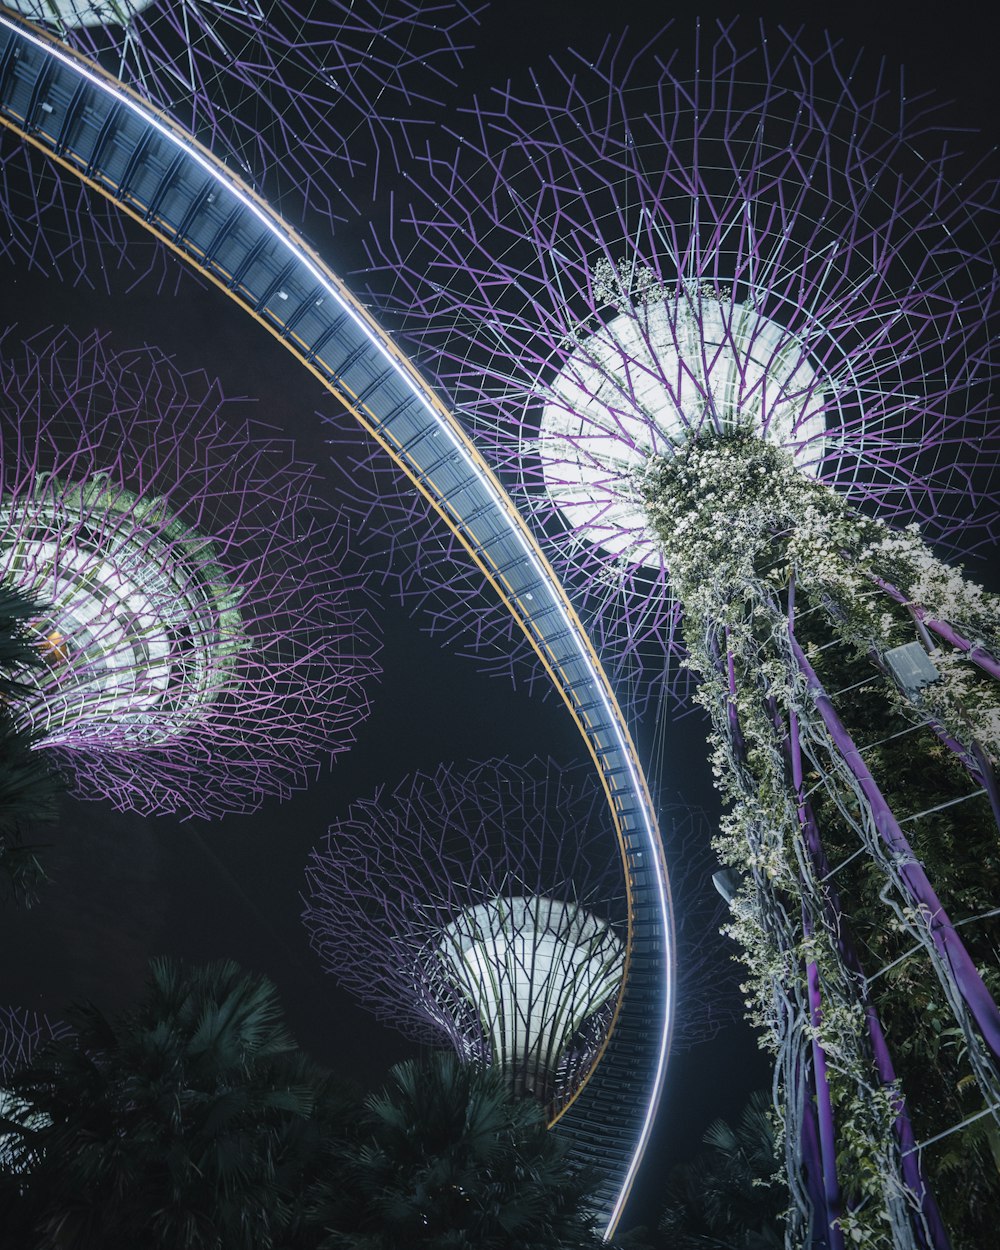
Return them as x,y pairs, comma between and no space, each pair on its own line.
191,1121
454,1163
740,526
958,847
728,1198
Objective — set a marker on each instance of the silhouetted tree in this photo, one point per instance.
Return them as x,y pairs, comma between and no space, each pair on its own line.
727,1197
191,1121
454,1163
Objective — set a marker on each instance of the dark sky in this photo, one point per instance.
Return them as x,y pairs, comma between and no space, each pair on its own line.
126,888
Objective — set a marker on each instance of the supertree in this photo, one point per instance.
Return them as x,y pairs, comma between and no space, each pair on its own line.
206,640
723,325
485,909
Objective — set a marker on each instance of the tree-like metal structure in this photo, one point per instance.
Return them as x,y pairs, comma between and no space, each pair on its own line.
305,101
720,325
485,910
286,93
206,641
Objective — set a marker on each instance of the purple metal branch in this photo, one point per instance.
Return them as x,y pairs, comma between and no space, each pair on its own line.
833,1205
819,1159
943,933
811,1159
529,263
297,98
22,1032
829,1189
972,651
902,1125
972,758
932,1226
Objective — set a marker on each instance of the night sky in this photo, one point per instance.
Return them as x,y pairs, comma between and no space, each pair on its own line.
125,888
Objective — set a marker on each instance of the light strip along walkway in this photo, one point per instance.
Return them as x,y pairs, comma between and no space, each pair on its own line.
92,125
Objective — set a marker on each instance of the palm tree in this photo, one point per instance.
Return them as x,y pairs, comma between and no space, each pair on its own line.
191,1121
454,1163
728,1198
29,787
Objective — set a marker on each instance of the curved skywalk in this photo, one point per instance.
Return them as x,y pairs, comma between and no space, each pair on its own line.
93,126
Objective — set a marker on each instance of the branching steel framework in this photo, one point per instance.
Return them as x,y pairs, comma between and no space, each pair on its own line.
631,283
96,129
480,908
306,102
295,98
206,643
22,1032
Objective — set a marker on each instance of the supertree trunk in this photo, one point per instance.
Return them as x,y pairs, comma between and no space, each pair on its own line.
773,536
794,1017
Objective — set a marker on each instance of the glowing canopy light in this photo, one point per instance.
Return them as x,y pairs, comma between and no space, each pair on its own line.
643,382
481,910
138,628
535,970
73,13
744,301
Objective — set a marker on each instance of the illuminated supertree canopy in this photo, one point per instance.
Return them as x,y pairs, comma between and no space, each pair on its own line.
724,324
486,910
206,642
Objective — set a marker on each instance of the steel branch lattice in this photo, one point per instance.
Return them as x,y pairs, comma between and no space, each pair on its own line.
827,245
513,865
295,98
22,1033
625,274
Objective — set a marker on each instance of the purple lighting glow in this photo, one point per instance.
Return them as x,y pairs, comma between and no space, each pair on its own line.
283,91
206,642
482,910
803,248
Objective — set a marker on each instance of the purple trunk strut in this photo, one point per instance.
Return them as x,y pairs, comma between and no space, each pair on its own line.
943,933
933,1227
826,1187
978,655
